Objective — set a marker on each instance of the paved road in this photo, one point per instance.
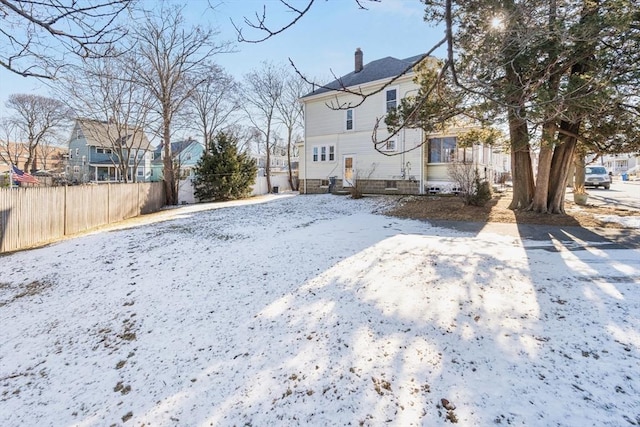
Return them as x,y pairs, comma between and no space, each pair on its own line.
622,194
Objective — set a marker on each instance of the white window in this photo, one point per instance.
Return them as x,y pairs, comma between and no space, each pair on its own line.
324,153
349,121
389,145
391,99
77,151
76,169
442,150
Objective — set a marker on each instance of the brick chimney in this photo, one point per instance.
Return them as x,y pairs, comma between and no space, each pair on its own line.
358,61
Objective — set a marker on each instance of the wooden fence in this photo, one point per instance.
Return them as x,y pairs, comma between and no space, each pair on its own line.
36,215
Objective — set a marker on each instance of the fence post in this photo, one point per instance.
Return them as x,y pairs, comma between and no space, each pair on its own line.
65,213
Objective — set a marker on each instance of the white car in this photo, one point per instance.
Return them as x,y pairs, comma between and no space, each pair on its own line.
597,176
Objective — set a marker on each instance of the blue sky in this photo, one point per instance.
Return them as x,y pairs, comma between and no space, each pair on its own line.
322,42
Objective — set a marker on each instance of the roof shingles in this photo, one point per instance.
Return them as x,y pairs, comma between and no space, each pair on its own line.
376,70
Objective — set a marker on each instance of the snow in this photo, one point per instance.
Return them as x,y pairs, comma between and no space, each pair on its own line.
625,221
317,310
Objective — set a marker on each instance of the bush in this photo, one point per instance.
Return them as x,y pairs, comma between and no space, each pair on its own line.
482,193
224,173
473,190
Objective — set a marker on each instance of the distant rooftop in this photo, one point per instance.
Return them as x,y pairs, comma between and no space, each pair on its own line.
375,70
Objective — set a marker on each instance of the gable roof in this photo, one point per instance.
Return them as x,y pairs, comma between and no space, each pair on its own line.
376,70
104,134
177,147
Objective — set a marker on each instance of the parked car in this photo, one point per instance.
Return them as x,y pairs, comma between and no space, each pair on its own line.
597,176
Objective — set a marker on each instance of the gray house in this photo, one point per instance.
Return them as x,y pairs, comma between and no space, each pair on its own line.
98,149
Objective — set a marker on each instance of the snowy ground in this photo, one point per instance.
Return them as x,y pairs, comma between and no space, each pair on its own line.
316,310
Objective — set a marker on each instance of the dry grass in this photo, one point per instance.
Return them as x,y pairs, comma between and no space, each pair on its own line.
496,210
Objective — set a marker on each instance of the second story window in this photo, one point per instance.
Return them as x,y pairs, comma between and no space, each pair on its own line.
323,154
315,154
392,99
349,123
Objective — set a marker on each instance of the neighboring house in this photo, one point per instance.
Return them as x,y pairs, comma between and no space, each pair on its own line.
185,156
279,174
620,163
278,164
93,157
338,146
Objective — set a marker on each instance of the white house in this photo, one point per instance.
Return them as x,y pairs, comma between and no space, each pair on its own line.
338,145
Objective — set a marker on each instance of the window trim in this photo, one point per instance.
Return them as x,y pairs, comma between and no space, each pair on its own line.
390,149
386,102
323,153
349,121
453,150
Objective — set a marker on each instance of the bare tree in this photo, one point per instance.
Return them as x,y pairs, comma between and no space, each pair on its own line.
214,101
10,150
36,120
169,59
104,90
51,156
290,115
36,36
263,89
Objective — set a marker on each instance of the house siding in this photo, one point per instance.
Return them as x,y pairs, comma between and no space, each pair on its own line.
404,170
84,159
328,127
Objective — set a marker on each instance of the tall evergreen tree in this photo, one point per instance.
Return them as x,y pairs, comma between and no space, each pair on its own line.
223,172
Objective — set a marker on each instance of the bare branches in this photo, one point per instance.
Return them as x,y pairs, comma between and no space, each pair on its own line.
173,61
38,35
260,22
35,121
214,101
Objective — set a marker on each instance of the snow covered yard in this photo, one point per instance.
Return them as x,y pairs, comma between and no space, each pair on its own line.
318,310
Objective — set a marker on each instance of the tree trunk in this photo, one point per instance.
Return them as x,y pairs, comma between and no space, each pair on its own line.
169,177
560,165
267,168
541,195
578,167
568,137
293,187
520,163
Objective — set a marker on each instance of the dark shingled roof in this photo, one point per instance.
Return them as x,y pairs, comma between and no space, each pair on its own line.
375,70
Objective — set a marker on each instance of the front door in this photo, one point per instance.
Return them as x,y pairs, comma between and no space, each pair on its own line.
349,177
